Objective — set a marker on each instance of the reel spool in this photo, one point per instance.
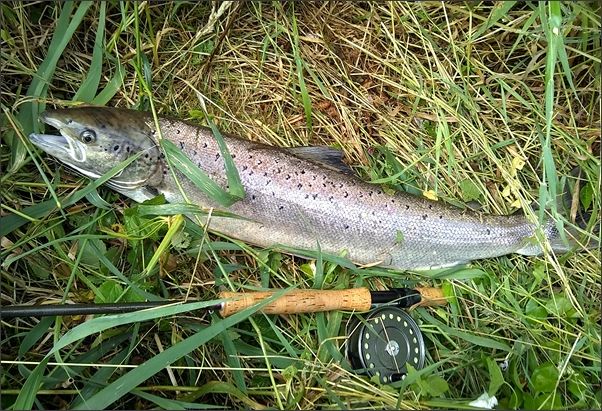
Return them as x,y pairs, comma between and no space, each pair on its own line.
383,342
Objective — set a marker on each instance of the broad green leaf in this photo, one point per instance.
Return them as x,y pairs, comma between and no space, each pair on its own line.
586,195
109,292
559,306
496,378
469,190
544,377
434,385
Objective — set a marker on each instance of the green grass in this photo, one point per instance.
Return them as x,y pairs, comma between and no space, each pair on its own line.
466,102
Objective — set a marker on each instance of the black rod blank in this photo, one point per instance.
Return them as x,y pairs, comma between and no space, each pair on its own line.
52,310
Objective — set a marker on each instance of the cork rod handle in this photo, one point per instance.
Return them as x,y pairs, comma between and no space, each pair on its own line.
431,296
299,301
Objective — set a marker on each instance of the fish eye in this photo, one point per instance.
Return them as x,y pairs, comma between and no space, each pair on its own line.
88,136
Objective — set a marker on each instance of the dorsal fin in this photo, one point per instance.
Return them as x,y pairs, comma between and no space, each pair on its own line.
326,156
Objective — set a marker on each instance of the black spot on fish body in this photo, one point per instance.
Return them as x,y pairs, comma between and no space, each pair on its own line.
116,148
265,174
314,196
302,171
253,197
299,186
267,183
259,162
407,207
346,227
346,194
204,145
217,157
324,184
279,170
233,156
280,208
306,196
393,201
273,194
181,145
244,168
370,193
424,216
430,206
488,232
313,177
288,177
152,190
440,217
194,153
250,172
177,131
330,198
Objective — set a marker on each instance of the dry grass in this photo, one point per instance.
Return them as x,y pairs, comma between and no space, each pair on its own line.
422,96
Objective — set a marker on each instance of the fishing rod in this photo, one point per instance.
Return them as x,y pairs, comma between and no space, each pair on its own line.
294,302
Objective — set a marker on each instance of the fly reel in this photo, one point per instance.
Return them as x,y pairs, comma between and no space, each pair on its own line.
383,342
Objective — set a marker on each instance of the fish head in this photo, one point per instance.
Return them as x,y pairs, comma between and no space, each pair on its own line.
93,140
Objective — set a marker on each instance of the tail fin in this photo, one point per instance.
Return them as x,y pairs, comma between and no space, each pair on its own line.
573,240
574,237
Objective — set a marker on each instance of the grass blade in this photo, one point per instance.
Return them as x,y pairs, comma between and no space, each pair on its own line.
200,179
28,115
499,11
112,87
89,86
471,338
27,394
132,379
11,222
299,64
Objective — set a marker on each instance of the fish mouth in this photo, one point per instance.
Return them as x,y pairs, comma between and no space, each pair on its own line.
62,146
